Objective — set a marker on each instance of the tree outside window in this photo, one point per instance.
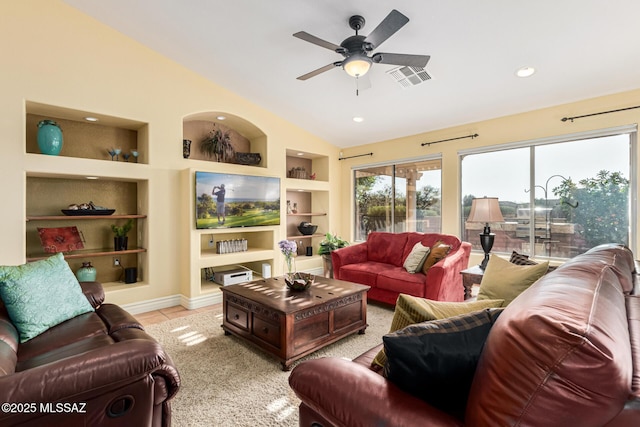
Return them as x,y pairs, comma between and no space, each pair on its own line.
396,198
598,207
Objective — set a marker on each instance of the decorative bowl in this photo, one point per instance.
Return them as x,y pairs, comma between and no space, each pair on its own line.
87,212
307,228
299,281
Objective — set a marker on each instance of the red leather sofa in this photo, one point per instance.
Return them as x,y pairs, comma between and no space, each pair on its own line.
378,263
565,352
96,369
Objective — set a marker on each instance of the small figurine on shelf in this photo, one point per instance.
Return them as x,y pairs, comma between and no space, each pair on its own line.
312,176
289,210
295,208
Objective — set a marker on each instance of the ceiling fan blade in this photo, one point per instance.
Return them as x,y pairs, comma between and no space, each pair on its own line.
401,59
389,25
319,70
315,40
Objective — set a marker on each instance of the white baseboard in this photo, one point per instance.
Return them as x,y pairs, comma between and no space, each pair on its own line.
188,303
201,301
172,301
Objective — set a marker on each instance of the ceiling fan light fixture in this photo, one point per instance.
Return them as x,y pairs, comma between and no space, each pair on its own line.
357,65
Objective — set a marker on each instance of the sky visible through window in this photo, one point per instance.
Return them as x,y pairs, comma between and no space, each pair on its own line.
505,174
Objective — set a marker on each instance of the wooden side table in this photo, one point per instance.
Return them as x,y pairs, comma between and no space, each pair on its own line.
471,276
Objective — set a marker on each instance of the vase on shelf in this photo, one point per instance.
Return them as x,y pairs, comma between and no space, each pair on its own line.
186,148
49,137
86,273
120,243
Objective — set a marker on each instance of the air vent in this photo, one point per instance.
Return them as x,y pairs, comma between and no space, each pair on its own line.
409,76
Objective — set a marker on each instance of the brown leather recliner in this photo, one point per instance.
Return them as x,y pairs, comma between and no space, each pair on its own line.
566,352
97,369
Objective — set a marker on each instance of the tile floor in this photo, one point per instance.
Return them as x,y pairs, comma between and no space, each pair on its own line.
157,316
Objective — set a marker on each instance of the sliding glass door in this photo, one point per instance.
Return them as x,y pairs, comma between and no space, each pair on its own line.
398,197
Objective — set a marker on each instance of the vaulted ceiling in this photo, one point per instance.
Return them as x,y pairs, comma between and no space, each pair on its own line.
579,48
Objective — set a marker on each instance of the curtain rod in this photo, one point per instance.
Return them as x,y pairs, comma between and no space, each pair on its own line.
475,135
564,119
357,155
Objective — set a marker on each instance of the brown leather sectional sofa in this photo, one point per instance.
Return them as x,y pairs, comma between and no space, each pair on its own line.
97,369
566,352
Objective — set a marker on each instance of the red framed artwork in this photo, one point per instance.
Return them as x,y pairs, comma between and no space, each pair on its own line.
62,239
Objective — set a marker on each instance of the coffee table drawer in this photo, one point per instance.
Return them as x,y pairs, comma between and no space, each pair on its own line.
237,316
266,331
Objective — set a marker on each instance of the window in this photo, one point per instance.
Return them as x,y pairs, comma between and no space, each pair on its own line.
559,198
398,197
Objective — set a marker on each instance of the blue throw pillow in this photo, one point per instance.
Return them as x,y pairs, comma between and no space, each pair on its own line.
436,360
41,294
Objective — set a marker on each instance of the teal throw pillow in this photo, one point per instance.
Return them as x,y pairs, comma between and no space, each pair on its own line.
41,294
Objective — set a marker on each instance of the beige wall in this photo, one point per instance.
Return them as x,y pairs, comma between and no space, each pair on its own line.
520,127
55,55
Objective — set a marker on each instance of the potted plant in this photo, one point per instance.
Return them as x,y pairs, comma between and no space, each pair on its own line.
330,243
218,145
120,235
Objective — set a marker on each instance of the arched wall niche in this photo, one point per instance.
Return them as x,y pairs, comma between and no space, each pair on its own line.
243,136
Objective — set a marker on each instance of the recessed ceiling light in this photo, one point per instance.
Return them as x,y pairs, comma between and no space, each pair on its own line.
525,71
91,119
358,119
221,118
91,177
300,154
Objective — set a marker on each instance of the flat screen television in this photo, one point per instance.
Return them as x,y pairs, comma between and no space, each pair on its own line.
225,200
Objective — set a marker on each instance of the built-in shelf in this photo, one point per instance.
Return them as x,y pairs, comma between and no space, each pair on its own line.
87,253
80,217
84,172
209,258
243,136
304,236
308,214
89,140
302,165
310,197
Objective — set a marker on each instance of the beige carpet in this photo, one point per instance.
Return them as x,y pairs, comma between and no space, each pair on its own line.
226,382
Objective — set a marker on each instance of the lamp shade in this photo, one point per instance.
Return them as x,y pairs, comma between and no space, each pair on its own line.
357,65
485,210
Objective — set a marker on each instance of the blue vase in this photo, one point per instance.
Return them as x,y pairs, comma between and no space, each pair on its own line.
49,137
86,273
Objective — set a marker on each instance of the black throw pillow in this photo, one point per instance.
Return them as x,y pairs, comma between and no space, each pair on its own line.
436,360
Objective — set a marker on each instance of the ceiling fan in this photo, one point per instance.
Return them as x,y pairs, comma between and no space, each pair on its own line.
357,50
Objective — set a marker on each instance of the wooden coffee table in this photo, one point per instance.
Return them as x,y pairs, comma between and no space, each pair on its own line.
289,324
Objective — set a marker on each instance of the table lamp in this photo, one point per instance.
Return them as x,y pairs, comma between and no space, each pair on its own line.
485,210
